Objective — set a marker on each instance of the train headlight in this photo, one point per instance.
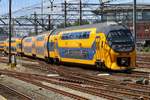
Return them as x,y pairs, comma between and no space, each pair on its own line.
123,61
113,46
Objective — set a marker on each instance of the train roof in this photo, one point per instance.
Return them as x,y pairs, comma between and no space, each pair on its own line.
104,27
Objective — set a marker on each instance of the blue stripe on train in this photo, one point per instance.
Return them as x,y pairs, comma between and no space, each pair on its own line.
78,53
75,53
50,46
1,47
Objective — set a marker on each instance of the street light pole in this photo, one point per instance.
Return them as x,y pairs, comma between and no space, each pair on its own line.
134,20
80,20
42,5
65,13
10,19
134,23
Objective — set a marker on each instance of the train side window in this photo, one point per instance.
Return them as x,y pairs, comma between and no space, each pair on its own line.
88,34
74,36
84,34
28,40
80,37
62,37
41,38
77,35
66,36
70,36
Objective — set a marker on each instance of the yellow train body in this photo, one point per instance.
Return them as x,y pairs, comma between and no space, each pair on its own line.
90,46
19,45
2,45
13,46
78,47
28,46
41,46
104,45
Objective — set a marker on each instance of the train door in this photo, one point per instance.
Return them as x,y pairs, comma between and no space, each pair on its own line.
56,59
55,47
99,61
33,45
98,48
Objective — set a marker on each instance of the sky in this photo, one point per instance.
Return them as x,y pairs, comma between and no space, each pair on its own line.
19,4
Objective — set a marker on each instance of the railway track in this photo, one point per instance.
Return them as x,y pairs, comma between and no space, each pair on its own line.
134,74
143,60
15,92
96,81
92,84
38,79
33,80
88,88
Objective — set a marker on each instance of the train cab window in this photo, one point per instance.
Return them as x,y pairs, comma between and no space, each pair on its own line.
120,40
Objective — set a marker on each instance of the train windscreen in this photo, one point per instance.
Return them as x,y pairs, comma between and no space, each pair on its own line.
121,40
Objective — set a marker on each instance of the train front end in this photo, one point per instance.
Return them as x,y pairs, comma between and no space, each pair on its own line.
122,53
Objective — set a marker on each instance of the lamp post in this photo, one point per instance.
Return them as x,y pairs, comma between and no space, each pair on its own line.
80,20
65,13
10,19
134,20
42,5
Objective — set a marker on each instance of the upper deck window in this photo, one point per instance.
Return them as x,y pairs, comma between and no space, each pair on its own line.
12,40
76,35
40,38
28,40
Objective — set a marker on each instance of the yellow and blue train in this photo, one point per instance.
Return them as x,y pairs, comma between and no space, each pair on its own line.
2,45
108,45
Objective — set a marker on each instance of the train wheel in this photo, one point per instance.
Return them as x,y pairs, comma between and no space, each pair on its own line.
4,54
56,61
34,56
99,65
49,60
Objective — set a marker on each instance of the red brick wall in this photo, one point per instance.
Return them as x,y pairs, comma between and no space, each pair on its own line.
143,30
